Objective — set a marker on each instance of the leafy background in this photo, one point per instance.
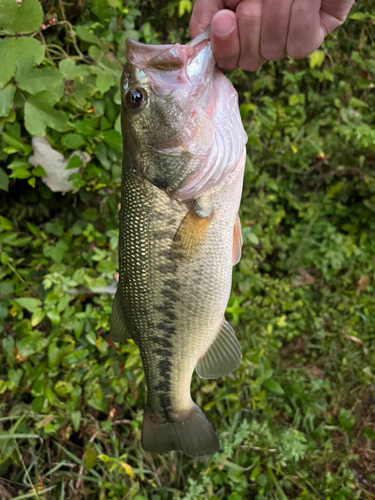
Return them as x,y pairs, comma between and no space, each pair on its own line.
297,420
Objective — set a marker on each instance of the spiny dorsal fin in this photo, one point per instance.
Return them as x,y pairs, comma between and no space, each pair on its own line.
191,234
119,332
223,356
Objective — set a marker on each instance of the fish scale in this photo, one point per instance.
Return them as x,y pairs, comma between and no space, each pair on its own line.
175,252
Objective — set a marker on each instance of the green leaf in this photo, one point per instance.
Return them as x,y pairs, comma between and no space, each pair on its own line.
253,238
4,311
37,404
40,114
63,388
33,229
115,4
51,397
5,223
38,171
360,16
90,38
113,139
53,355
11,49
317,59
273,386
90,214
107,266
6,287
19,145
22,242
368,432
184,6
70,71
73,141
15,377
296,99
6,99
4,180
74,162
34,80
29,303
57,252
20,19
37,317
20,173
56,227
104,82
76,420
90,457
357,103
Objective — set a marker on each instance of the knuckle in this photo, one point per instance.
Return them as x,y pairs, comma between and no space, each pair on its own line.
246,16
225,54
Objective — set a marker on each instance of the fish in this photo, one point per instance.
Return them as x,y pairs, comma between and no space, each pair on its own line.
184,151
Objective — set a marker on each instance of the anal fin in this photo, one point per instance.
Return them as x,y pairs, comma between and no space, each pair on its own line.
118,329
237,242
223,356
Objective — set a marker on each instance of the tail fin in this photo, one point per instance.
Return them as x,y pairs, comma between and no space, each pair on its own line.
193,435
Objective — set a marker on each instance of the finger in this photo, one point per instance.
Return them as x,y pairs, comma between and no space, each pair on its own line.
274,30
249,16
224,39
333,13
203,12
304,35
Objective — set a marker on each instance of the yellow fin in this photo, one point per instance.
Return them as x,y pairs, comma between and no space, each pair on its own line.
191,234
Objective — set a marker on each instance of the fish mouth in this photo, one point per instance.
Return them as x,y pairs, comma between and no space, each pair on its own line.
173,142
169,150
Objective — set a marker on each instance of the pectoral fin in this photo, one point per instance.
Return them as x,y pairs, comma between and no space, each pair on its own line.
119,332
237,242
191,234
223,356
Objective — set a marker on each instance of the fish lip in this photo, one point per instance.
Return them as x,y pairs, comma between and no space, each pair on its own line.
133,43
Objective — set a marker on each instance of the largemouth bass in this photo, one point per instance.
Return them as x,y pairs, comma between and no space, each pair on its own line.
180,235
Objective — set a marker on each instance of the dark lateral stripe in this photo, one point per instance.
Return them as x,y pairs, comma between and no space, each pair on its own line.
169,267
162,234
170,294
163,386
163,352
172,284
163,342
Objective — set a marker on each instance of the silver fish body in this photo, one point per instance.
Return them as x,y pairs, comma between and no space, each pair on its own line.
179,234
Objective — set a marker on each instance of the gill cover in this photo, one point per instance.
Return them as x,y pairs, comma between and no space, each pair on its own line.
196,139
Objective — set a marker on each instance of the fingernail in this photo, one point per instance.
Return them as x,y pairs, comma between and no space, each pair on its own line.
223,24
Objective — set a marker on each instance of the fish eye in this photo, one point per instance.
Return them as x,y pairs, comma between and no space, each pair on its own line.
135,98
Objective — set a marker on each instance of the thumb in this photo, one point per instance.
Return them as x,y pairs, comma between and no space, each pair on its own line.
203,12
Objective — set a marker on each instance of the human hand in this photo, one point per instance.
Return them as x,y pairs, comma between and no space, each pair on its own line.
246,33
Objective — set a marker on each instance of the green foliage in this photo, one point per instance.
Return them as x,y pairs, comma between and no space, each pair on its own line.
296,421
